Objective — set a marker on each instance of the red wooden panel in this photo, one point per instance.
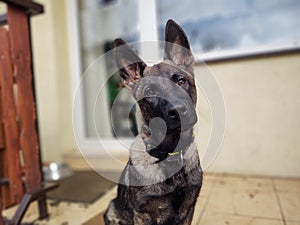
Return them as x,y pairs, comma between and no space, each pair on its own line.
2,142
21,58
1,219
11,167
1,136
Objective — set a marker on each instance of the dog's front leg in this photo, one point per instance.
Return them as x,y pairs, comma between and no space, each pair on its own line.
189,217
142,218
188,205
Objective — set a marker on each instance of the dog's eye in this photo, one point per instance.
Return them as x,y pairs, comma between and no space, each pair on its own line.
181,81
149,92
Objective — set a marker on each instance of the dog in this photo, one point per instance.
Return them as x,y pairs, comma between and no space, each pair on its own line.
163,177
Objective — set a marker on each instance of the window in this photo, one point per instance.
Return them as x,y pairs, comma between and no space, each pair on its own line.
216,29
224,28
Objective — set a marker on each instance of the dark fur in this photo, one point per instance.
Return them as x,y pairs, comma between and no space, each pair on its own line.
171,200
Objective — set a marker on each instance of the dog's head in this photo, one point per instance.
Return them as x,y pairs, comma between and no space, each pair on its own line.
166,90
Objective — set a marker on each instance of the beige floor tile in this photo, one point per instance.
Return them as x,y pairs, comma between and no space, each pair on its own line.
221,200
207,185
290,203
255,203
231,219
199,209
250,202
222,219
245,183
287,185
261,221
292,223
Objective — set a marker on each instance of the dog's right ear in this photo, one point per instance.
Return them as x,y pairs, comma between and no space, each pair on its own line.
177,47
130,65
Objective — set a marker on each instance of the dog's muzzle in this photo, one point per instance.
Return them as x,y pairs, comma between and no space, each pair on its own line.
180,116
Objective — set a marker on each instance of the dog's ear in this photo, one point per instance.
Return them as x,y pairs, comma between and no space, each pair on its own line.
177,47
130,65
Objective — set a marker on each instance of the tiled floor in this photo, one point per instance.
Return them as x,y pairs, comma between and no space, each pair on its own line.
238,200
224,200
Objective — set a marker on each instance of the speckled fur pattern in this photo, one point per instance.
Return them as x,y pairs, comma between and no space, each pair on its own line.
168,200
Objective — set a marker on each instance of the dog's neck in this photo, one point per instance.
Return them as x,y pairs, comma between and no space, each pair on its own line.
172,143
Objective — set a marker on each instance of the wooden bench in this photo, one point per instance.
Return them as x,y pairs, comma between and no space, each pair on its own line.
20,160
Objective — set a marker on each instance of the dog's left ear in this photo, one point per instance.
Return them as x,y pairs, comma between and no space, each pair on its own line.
130,65
177,47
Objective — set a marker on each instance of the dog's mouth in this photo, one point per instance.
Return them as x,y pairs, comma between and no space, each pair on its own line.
162,142
166,131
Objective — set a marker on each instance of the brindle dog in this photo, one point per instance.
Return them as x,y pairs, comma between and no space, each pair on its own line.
163,177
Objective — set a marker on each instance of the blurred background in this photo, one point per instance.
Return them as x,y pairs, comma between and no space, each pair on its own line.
250,46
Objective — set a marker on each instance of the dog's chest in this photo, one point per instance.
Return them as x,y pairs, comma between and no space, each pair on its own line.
174,192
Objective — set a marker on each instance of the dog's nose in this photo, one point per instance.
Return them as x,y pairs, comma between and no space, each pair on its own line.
177,110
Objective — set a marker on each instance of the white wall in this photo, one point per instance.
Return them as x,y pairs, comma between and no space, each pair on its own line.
53,83
263,108
261,95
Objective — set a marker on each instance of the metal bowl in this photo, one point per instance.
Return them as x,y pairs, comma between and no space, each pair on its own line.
56,171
